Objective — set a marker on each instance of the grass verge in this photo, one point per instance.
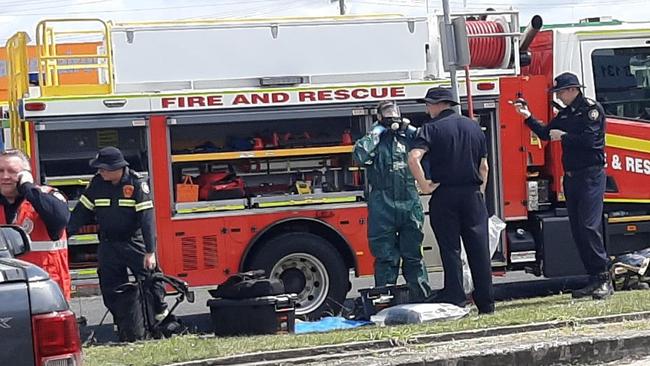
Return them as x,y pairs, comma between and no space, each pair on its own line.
193,347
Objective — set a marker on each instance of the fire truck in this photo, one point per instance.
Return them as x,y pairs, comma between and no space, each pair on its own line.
612,59
245,131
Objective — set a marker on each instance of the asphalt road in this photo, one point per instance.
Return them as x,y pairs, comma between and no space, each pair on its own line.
197,315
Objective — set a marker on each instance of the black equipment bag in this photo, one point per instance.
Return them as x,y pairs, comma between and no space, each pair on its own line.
135,315
247,285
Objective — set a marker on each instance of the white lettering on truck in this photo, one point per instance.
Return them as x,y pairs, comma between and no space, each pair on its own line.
632,164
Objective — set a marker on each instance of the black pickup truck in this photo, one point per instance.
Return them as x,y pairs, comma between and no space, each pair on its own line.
36,324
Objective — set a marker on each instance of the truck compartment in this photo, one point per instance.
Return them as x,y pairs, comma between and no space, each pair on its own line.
248,161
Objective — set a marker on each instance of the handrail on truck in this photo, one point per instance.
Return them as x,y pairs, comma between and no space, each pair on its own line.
50,65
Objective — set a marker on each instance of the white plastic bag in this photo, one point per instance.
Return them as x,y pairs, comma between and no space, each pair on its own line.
418,313
495,227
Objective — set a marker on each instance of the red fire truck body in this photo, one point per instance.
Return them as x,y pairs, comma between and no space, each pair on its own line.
612,60
248,149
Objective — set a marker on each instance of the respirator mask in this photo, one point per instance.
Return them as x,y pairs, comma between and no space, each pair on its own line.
391,118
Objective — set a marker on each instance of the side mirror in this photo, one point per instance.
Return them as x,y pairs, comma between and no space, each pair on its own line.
14,240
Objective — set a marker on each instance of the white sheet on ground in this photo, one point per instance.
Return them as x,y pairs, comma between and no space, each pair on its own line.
418,313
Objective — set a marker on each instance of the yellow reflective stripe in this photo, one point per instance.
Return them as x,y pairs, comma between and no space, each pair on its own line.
143,206
614,220
126,203
628,200
210,209
612,31
86,202
628,143
308,201
103,202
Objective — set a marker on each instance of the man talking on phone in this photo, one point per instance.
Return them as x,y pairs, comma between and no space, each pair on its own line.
41,211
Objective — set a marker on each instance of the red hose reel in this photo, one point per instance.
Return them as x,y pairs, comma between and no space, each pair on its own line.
487,52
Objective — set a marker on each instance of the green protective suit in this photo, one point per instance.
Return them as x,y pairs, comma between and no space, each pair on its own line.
395,215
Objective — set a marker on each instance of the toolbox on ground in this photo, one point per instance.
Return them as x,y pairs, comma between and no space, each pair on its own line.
375,299
258,315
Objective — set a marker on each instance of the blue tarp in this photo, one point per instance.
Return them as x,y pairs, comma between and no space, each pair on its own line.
329,323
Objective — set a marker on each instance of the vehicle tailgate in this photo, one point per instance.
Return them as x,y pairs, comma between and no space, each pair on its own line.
15,317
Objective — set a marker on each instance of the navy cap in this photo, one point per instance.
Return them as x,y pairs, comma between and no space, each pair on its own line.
437,95
566,80
109,158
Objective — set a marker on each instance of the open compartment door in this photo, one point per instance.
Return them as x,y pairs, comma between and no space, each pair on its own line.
520,147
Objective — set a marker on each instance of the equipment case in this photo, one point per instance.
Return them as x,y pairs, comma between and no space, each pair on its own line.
259,315
374,299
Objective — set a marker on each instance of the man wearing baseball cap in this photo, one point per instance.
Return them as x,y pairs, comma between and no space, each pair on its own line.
457,157
119,200
580,127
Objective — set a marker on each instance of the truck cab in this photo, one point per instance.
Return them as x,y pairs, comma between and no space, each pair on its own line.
611,58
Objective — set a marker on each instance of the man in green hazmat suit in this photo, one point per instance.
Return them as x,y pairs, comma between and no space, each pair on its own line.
395,216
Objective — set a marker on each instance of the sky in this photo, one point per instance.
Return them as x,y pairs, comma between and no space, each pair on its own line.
23,15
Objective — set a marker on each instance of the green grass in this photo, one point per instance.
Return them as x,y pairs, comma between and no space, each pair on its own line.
192,347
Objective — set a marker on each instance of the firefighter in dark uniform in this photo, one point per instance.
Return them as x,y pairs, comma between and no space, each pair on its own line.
580,127
456,151
119,200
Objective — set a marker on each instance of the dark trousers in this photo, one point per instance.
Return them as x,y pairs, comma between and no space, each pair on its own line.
114,258
584,191
457,212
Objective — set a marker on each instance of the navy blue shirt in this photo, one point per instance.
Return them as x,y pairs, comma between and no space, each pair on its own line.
455,146
583,145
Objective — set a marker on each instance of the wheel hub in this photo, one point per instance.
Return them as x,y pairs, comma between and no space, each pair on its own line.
294,280
305,276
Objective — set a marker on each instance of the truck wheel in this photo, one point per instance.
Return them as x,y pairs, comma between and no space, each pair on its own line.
310,267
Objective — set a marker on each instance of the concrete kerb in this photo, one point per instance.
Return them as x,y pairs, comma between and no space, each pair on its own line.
490,332
575,352
346,349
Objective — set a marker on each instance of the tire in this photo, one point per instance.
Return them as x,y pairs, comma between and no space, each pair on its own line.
310,267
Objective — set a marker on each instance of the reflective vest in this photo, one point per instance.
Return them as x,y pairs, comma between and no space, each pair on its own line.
51,255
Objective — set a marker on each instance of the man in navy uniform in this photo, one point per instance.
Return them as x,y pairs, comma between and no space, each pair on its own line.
119,200
456,149
580,127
